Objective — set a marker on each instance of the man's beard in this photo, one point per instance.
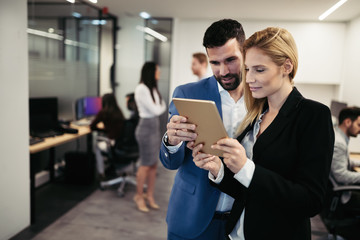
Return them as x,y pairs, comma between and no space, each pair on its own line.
351,134
232,85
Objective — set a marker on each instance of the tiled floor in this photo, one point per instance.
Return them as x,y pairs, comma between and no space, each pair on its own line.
103,215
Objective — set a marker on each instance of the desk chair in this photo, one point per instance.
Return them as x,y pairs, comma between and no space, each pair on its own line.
121,156
335,219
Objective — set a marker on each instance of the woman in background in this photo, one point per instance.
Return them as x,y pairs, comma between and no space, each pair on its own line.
150,106
277,169
113,119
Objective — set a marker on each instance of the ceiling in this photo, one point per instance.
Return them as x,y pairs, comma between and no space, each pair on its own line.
288,10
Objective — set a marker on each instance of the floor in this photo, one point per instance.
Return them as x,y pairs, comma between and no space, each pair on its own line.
89,213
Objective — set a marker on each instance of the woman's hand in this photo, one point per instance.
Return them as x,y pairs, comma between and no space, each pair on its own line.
206,161
234,153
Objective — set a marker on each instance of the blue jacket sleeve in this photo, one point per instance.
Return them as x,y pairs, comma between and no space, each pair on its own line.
173,161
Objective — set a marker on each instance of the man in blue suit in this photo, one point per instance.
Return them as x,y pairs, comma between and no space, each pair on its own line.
196,209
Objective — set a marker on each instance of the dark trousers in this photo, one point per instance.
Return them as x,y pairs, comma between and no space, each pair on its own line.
215,231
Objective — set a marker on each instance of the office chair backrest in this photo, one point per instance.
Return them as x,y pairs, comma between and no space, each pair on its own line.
334,216
331,200
126,143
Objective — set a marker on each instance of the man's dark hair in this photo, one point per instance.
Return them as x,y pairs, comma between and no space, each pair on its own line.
221,31
350,112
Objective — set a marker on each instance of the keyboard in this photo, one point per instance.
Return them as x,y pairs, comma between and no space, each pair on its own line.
33,141
82,122
45,133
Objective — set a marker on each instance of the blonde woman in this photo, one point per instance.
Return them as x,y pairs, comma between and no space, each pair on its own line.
277,169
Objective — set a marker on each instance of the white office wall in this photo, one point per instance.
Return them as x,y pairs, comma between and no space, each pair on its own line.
187,39
14,146
130,58
350,88
320,47
351,81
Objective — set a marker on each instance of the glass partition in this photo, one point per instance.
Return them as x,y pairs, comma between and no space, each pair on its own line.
158,49
64,51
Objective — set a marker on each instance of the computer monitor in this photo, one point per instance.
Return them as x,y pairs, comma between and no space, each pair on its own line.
43,113
87,107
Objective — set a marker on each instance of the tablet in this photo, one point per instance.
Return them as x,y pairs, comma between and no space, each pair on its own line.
205,116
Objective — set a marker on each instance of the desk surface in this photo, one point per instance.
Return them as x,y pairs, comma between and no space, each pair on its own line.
58,140
355,156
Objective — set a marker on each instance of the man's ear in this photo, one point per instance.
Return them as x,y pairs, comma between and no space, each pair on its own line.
347,122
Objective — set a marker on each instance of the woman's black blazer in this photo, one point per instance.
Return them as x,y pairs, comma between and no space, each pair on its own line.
292,162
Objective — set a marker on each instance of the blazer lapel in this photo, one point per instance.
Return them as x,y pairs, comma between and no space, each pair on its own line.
278,124
213,93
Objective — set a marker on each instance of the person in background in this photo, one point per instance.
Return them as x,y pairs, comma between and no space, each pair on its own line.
342,166
199,65
113,119
277,170
150,106
131,106
196,209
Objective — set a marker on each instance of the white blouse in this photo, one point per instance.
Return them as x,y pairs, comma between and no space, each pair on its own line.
146,106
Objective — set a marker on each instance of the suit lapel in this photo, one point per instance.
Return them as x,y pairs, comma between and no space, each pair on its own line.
278,124
212,88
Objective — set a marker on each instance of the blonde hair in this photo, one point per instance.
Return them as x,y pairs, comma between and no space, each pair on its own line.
279,45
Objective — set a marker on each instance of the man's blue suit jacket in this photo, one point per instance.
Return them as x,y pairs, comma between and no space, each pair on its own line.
193,200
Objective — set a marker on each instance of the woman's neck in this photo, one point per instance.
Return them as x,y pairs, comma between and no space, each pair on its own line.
276,100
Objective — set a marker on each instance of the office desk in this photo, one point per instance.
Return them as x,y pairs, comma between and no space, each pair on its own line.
49,144
355,156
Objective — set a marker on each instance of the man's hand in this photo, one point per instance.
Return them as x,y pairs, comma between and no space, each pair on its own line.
178,130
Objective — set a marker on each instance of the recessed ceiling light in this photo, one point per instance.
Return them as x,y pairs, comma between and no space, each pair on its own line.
145,15
76,14
72,1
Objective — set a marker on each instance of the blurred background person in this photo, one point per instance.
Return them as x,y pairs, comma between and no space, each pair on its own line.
113,120
341,165
150,106
199,65
131,106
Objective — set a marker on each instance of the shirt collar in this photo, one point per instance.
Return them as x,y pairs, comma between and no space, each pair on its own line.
221,89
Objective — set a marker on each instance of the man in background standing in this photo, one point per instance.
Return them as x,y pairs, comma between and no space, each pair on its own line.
199,65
